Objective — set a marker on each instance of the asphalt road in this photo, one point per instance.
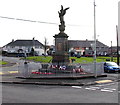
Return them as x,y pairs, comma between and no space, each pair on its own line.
106,93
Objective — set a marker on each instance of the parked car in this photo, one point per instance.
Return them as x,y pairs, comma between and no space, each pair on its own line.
20,55
111,67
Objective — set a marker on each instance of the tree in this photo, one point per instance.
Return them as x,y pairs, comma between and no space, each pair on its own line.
45,45
32,51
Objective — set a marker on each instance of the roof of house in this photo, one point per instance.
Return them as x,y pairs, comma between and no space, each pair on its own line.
25,43
113,48
84,43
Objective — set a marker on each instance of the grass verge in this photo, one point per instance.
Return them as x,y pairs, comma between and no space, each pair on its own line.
3,63
42,59
48,59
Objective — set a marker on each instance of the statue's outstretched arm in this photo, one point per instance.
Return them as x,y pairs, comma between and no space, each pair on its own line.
67,8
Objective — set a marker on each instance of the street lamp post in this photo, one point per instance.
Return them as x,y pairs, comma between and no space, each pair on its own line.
95,41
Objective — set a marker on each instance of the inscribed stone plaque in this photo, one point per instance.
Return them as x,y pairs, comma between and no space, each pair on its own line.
59,46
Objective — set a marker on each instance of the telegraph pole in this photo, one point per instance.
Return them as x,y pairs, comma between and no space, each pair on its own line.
111,52
117,46
34,46
95,41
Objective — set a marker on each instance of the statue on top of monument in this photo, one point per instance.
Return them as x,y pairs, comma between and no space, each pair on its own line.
62,12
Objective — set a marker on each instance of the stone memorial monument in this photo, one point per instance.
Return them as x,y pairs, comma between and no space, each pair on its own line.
61,56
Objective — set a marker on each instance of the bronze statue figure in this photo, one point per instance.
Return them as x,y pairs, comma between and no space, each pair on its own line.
62,12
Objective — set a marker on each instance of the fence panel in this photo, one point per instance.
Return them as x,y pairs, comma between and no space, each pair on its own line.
59,70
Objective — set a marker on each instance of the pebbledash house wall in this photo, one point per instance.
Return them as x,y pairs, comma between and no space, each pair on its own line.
39,49
26,49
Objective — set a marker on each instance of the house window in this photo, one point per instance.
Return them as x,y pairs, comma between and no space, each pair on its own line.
97,48
41,47
20,47
90,48
29,50
36,46
16,47
12,47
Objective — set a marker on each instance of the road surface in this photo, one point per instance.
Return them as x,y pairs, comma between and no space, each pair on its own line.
14,93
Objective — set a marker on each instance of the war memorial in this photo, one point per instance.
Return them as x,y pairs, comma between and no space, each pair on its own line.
60,63
61,41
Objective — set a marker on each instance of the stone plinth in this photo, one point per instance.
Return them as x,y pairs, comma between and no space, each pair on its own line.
61,49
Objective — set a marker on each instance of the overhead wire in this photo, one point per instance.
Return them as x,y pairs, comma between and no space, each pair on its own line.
27,20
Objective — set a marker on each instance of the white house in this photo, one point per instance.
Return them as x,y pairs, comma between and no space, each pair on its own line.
24,46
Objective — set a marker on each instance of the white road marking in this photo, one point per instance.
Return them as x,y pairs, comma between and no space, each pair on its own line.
95,87
90,88
104,90
98,88
77,87
109,89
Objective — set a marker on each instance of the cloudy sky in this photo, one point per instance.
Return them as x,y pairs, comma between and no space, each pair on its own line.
79,20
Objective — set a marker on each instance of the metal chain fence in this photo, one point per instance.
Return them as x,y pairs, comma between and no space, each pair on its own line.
48,69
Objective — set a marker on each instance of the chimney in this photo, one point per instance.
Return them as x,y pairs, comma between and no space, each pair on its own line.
33,38
12,40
